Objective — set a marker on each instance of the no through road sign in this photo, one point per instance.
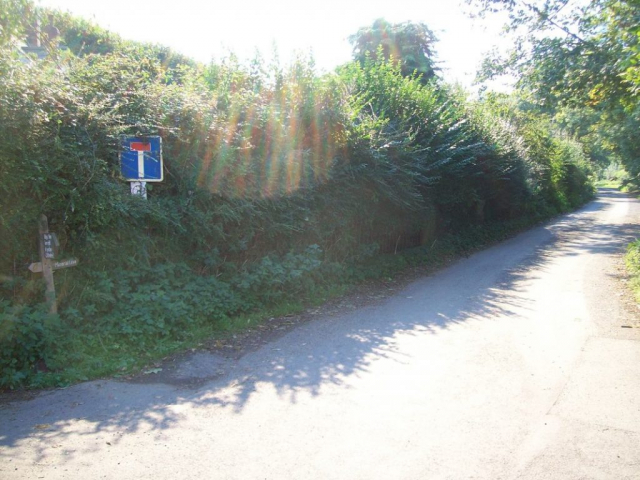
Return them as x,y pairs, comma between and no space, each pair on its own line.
141,159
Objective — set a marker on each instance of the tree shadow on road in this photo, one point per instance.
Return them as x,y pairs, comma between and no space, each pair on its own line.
329,350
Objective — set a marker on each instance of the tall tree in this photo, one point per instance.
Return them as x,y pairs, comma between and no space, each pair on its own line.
580,55
410,44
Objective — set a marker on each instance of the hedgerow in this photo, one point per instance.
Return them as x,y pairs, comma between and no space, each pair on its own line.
279,183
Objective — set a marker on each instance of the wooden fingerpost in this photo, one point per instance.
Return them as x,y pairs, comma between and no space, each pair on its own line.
47,254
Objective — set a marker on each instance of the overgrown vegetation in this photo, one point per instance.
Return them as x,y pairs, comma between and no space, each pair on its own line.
281,187
577,62
578,65
633,266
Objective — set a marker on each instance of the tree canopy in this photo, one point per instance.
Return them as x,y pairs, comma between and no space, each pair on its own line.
410,44
581,56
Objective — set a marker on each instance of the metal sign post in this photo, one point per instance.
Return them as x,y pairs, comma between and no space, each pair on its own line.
141,162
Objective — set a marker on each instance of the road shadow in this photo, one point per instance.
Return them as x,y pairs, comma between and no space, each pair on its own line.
327,351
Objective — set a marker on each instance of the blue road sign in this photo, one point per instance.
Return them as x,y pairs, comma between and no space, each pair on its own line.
141,159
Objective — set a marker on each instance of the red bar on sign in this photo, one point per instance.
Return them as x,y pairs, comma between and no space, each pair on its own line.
140,146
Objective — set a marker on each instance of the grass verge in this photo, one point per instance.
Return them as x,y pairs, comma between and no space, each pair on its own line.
632,259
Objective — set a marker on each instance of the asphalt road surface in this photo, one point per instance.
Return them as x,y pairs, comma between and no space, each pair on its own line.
515,363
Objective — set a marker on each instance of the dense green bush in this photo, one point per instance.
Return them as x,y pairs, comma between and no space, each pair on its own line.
31,340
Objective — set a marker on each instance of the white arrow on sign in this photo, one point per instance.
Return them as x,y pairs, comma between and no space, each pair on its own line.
36,267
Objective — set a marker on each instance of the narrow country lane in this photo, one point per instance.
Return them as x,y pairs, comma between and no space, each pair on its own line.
510,364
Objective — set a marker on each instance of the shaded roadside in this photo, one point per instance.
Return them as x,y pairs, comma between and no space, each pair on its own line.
334,346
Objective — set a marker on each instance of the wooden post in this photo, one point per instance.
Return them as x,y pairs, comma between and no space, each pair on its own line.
47,264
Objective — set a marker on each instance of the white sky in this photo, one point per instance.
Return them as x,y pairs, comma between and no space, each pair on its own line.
210,29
